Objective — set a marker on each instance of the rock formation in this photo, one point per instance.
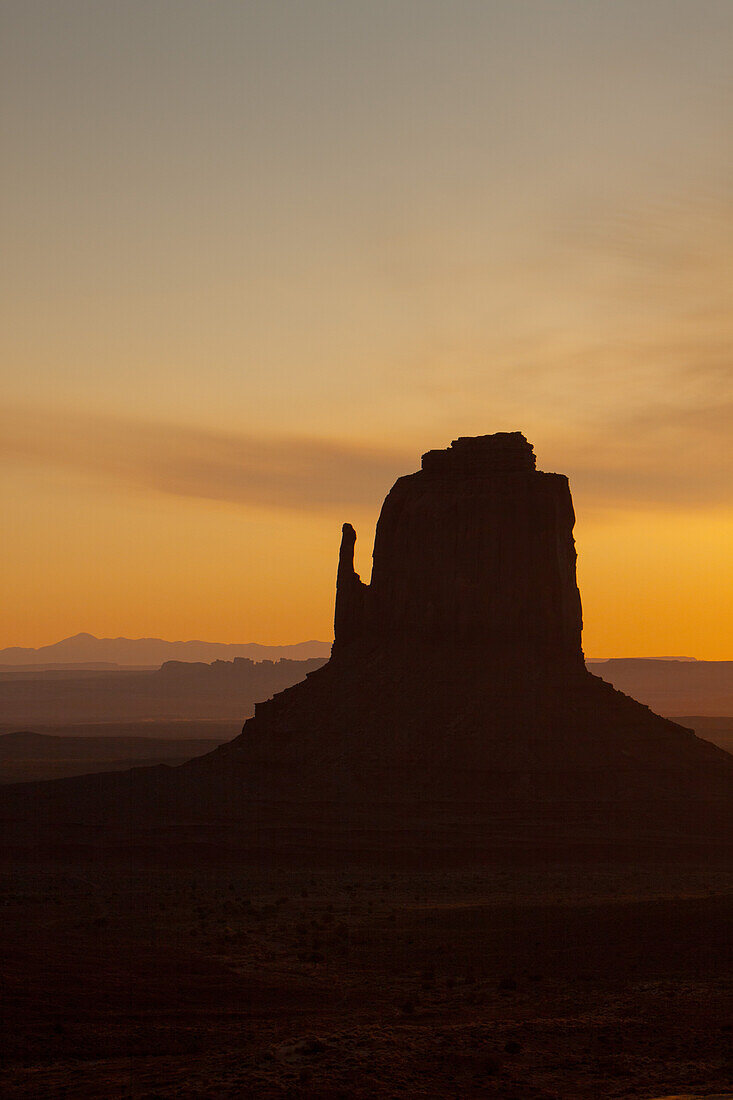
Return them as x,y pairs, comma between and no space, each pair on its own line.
456,713
473,555
457,674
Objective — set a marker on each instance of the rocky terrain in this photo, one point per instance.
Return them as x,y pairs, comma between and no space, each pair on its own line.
565,982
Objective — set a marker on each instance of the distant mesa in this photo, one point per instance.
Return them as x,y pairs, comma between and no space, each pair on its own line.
456,713
178,690
672,686
600,660
87,650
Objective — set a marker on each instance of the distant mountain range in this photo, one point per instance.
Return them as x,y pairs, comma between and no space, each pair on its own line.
88,650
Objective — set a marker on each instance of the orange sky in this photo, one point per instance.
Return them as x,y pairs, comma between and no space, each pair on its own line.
259,257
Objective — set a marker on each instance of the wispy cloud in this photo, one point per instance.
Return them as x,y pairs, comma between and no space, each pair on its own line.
660,454
286,472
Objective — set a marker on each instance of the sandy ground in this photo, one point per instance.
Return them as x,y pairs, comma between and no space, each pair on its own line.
124,981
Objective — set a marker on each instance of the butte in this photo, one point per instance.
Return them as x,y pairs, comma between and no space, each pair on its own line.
456,704
455,717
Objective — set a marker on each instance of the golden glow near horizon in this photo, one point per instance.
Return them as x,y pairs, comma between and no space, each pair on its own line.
259,257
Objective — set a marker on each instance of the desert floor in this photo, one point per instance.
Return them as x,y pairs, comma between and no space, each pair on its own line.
223,981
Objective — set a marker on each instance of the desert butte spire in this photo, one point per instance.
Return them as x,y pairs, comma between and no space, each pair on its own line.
457,674
456,714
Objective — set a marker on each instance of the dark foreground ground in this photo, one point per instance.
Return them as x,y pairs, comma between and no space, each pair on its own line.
124,981
27,756
56,752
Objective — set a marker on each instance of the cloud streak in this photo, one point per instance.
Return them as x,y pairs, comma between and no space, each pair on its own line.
286,472
660,455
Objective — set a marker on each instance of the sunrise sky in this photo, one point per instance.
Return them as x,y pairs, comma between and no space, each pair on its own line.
258,257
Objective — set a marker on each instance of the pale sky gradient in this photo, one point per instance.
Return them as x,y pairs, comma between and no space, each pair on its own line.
259,256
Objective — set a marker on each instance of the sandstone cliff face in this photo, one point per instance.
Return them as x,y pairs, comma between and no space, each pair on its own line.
473,555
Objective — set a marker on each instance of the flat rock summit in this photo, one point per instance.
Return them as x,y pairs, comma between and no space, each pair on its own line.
456,712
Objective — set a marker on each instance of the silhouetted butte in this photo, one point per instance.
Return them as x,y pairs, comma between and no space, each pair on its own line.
456,712
457,674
